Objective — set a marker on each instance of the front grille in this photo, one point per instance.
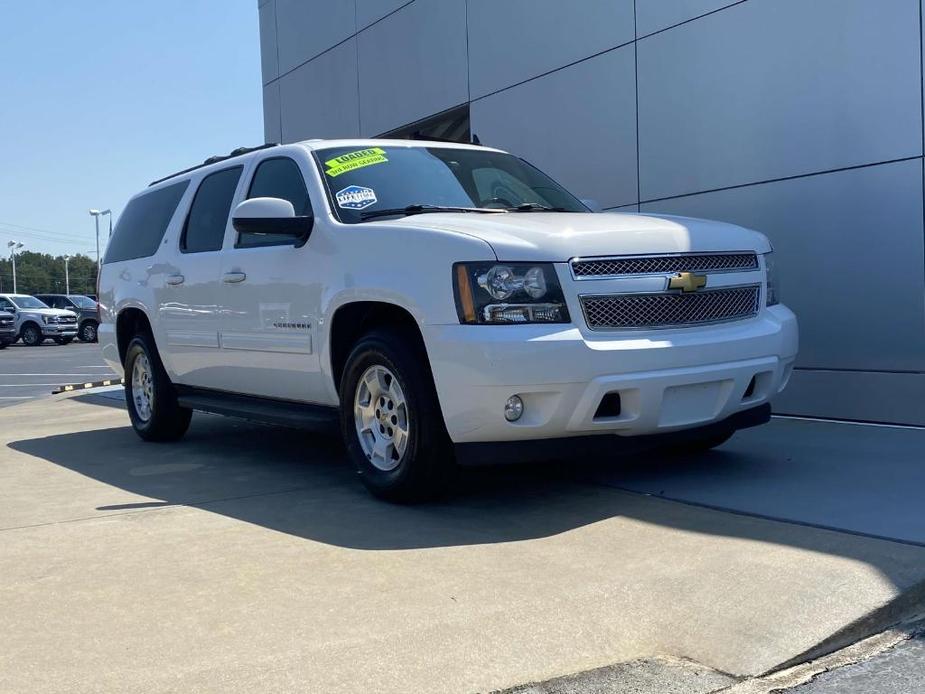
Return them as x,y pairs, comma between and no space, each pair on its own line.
67,319
660,264
616,311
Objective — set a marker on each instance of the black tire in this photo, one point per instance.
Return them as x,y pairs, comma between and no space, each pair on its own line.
426,466
3,345
87,331
167,421
63,340
31,335
700,444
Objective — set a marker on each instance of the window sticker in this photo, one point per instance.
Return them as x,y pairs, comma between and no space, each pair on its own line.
355,198
355,160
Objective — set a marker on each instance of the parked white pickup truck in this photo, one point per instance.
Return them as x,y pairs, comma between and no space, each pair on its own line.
442,303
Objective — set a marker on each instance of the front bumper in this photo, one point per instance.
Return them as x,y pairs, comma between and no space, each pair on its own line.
59,330
7,335
667,380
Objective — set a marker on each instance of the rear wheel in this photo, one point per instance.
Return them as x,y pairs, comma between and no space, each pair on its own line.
3,345
391,420
87,331
150,396
31,335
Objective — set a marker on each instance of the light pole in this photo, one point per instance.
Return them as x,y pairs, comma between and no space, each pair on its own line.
96,214
67,277
14,246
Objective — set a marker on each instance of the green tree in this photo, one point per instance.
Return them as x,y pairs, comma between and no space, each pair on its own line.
38,273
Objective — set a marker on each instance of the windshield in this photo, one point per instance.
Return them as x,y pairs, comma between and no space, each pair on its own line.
27,302
82,301
364,181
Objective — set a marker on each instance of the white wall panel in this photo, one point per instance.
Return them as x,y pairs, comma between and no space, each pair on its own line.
655,15
412,64
765,90
269,66
369,11
515,40
271,113
591,151
307,27
849,249
319,99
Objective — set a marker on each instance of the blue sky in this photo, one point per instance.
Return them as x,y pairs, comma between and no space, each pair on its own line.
100,97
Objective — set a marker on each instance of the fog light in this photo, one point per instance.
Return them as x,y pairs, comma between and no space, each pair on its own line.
513,408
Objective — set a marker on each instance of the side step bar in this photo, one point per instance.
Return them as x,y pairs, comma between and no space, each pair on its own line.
297,415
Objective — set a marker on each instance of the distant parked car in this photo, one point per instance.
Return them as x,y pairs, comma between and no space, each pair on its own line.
7,329
85,308
36,321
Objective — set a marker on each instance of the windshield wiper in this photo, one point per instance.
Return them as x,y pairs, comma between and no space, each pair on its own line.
423,209
535,207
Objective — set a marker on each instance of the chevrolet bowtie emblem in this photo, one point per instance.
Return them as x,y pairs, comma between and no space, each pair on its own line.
687,282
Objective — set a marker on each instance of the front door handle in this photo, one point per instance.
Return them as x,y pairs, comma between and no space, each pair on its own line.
175,279
233,277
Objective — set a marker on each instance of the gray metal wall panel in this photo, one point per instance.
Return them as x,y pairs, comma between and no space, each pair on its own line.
271,106
591,151
269,66
515,40
319,99
369,11
849,247
766,90
655,15
413,64
308,27
863,395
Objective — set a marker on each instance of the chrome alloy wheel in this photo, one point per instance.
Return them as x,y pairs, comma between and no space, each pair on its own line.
380,412
142,387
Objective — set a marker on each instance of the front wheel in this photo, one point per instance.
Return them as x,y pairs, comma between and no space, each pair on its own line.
391,420
31,335
150,396
87,332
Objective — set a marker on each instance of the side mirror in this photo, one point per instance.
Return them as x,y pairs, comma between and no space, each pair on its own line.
271,216
592,205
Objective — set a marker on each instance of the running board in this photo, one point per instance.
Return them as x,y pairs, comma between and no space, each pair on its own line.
297,415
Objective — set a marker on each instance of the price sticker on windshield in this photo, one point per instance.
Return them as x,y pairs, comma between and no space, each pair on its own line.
355,160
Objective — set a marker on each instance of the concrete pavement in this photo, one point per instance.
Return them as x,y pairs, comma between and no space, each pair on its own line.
248,558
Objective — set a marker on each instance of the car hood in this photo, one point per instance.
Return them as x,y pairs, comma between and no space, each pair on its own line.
47,312
559,236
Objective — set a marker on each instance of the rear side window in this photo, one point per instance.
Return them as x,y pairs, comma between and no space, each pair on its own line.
277,178
143,223
208,216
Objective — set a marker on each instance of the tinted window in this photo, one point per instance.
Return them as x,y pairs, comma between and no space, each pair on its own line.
82,301
277,178
143,223
208,215
6,304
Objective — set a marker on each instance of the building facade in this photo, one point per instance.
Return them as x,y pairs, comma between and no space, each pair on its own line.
799,118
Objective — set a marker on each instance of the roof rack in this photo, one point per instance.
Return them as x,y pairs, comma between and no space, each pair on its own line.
240,151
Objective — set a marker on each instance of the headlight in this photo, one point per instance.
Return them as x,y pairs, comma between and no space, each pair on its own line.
504,293
773,293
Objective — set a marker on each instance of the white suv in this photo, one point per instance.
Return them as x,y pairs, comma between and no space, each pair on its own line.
439,302
36,321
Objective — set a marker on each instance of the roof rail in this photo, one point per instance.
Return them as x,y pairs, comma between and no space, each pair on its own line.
240,151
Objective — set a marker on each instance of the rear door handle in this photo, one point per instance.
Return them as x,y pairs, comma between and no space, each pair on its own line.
175,279
233,277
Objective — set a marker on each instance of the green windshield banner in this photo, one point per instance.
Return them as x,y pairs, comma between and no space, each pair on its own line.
355,160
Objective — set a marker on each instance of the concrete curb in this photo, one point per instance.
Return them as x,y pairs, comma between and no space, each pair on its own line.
87,386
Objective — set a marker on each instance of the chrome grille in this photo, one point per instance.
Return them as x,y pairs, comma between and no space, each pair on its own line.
658,264
616,311
67,319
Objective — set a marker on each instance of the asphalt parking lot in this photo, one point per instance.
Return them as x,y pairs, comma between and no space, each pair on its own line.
33,372
248,557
